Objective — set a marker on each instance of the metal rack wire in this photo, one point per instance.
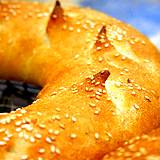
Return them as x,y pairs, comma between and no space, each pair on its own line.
15,95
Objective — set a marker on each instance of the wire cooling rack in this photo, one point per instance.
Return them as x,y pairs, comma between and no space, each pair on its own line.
15,95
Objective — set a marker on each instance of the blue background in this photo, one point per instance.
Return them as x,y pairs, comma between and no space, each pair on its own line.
142,14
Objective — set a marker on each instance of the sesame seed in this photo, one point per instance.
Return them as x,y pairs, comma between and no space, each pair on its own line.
100,59
104,91
92,96
78,30
24,157
76,56
117,55
97,111
97,83
97,135
56,132
18,129
48,140
26,136
92,105
42,126
106,45
123,57
41,150
32,139
57,150
28,127
6,139
136,106
2,143
73,135
147,98
21,134
74,119
54,93
67,115
71,28
133,93
23,111
98,48
39,113
18,123
53,149
62,126
98,97
56,117
118,84
98,93
58,109
38,136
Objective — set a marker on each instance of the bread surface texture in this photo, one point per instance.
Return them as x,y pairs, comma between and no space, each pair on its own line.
141,147
100,80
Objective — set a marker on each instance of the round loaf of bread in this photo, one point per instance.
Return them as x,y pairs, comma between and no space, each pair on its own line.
100,80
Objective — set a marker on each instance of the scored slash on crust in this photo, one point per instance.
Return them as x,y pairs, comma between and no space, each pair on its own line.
57,15
57,11
102,40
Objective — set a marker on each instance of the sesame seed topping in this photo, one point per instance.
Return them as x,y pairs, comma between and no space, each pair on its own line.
38,136
18,123
96,135
56,117
58,109
54,93
78,30
41,150
97,111
28,127
74,119
97,97
23,111
67,115
56,132
57,150
53,149
123,57
147,98
133,93
76,56
32,139
24,157
136,106
98,48
42,126
48,140
106,45
6,139
71,28
118,84
18,129
73,136
62,126
2,143
100,59
92,105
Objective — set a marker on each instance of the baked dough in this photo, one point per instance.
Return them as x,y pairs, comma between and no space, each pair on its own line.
100,80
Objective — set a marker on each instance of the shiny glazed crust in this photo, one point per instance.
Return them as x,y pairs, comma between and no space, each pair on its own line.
100,80
144,147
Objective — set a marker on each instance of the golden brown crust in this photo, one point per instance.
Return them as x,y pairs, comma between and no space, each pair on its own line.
82,111
141,147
